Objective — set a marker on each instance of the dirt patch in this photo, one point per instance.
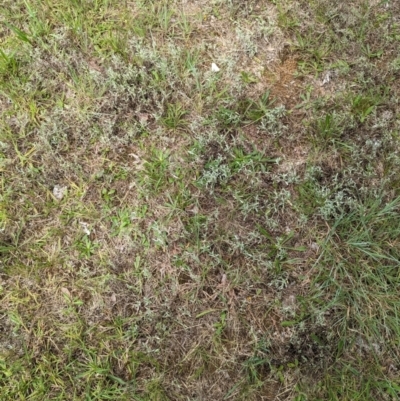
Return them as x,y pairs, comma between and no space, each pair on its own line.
285,87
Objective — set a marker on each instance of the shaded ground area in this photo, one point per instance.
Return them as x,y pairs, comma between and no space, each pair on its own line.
169,232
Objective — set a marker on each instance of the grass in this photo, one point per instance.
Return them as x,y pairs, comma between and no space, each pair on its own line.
169,232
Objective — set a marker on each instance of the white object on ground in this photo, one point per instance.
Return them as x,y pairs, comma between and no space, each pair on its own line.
85,227
59,192
327,78
214,67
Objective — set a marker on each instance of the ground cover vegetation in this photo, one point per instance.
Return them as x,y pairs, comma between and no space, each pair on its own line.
169,231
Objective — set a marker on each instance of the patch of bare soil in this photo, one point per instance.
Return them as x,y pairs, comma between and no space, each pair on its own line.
285,87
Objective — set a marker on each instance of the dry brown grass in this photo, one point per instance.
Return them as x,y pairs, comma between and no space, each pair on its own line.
212,243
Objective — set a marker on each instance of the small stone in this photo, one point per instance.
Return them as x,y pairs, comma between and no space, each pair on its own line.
59,192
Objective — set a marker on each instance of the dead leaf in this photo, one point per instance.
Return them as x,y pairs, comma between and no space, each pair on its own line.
223,280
